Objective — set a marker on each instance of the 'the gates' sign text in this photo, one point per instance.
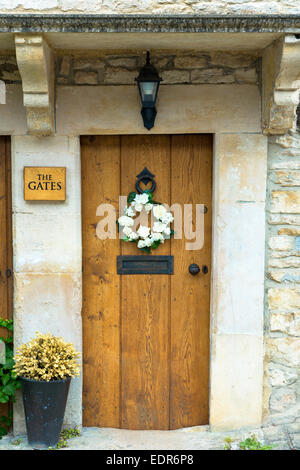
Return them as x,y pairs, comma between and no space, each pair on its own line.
44,183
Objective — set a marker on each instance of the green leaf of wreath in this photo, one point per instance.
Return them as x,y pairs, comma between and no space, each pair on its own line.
131,197
155,244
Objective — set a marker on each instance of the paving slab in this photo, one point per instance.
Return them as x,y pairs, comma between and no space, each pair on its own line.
195,438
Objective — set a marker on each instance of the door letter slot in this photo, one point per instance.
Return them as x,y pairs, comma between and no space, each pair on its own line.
145,264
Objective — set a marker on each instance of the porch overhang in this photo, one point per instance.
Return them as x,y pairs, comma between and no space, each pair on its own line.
36,37
249,32
30,23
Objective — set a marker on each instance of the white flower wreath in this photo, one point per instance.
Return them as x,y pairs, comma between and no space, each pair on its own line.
145,238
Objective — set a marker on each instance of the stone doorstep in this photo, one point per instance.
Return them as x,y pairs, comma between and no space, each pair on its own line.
195,438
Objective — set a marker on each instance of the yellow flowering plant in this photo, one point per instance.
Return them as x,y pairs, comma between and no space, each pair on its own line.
47,357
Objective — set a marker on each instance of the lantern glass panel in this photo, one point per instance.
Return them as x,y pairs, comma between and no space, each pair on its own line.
148,92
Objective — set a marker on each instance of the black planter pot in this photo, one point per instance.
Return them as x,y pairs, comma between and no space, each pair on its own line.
44,404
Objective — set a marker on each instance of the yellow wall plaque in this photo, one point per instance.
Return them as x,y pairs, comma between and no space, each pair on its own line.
44,183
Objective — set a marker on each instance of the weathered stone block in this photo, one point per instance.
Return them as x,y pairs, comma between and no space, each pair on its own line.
4,60
10,75
286,201
284,351
288,178
161,62
280,375
243,180
292,232
65,66
285,165
96,110
175,76
282,399
288,323
126,62
119,76
288,416
284,299
231,383
86,78
227,59
285,275
62,80
284,219
213,75
288,262
88,63
287,141
280,243
9,69
274,433
53,246
190,62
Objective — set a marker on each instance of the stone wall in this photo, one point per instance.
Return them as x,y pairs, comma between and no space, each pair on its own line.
282,319
192,67
9,71
222,7
175,68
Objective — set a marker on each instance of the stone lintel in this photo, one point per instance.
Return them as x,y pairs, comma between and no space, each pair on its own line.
30,23
36,66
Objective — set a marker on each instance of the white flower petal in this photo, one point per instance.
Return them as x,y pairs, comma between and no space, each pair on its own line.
158,227
125,221
159,211
143,231
138,207
141,198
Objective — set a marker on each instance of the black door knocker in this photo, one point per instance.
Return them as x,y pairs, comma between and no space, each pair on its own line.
145,177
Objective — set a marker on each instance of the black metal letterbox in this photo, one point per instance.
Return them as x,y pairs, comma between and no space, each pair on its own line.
145,264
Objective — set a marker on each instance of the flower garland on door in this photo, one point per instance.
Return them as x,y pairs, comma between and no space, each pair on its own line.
145,238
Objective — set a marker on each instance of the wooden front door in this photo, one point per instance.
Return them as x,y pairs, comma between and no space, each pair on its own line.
146,337
5,241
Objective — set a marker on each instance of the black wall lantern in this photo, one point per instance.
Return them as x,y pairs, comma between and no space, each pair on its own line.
148,82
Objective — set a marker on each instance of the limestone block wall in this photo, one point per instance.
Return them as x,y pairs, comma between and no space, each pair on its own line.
282,284
222,7
9,71
191,67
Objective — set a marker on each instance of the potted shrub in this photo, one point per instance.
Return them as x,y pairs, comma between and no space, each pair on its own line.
45,366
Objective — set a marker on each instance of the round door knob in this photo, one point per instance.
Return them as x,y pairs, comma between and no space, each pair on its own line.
194,269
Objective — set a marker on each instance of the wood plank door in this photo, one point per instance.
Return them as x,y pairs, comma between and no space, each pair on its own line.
6,278
146,337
